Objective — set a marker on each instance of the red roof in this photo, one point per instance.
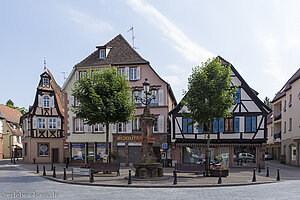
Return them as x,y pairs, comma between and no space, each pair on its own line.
10,114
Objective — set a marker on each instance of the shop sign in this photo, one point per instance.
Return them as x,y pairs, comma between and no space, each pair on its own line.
122,138
66,145
150,140
78,145
163,155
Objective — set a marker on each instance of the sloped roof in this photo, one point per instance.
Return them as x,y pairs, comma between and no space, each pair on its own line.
287,86
10,114
120,53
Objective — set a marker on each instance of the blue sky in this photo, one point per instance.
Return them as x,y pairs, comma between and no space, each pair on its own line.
260,38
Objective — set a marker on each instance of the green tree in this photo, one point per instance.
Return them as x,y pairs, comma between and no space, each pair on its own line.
267,101
209,96
10,104
105,97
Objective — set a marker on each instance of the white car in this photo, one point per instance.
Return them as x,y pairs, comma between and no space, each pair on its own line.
246,157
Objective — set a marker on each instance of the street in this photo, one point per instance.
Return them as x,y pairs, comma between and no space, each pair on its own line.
16,183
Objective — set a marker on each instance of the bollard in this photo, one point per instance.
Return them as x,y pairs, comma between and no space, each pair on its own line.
254,176
220,177
268,174
65,174
278,175
175,177
17,158
54,174
259,169
37,169
11,160
44,170
91,176
129,178
14,160
51,166
67,166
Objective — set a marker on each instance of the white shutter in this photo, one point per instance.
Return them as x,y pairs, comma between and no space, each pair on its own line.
161,97
195,127
71,100
34,123
127,72
129,126
113,128
40,101
76,75
52,102
138,73
161,124
58,123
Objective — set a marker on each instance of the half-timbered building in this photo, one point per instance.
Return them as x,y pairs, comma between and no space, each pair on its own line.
43,134
240,140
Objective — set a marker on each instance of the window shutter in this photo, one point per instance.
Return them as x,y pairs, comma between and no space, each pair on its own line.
52,102
58,123
71,100
253,124
129,126
161,124
76,75
127,72
184,125
248,124
40,101
215,126
34,123
221,125
161,97
200,129
237,125
238,96
138,73
113,128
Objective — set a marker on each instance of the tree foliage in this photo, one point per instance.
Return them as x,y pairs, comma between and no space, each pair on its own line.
210,94
267,101
105,97
11,104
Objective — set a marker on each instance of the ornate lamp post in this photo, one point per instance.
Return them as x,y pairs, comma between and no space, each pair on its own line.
148,167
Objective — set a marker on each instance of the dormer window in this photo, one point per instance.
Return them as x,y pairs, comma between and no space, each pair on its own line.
46,102
102,53
45,82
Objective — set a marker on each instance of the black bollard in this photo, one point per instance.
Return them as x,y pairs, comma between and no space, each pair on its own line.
175,177
92,176
17,158
268,174
67,166
259,169
14,160
254,176
65,174
54,174
278,175
44,171
129,178
51,166
11,160
37,169
220,177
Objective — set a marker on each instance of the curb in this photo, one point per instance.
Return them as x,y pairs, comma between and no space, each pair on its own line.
159,186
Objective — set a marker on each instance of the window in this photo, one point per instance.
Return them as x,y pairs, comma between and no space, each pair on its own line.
77,103
137,101
121,71
122,127
290,124
155,126
284,106
79,125
82,74
250,124
154,102
78,151
229,125
244,156
45,82
293,152
238,95
136,126
284,127
46,101
133,74
43,149
87,128
52,124
186,127
25,149
102,53
99,128
290,103
192,155
41,123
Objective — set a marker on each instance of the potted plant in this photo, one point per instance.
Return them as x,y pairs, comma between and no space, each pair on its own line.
215,170
85,165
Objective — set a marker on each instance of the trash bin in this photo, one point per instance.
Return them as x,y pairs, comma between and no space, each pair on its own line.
282,158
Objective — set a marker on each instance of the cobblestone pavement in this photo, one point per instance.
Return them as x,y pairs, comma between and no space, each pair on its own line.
16,182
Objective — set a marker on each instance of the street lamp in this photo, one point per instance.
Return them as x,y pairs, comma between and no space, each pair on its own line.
149,94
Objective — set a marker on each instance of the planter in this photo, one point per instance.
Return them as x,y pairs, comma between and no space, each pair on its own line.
215,173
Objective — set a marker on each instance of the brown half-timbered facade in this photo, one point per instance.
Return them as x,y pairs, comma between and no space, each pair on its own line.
240,140
43,133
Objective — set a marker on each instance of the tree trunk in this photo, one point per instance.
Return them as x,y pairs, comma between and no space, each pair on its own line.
107,142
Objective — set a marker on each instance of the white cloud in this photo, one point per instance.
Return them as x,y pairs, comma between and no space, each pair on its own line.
87,22
191,51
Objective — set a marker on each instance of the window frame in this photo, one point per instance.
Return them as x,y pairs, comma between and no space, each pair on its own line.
42,122
227,125
80,125
155,126
46,83
251,131
46,101
102,54
99,127
123,126
136,124
53,123
188,127
133,69
39,146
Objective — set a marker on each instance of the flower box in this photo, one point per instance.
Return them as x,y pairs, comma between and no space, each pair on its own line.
216,172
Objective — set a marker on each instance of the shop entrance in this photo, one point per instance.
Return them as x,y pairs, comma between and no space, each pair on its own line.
55,155
134,154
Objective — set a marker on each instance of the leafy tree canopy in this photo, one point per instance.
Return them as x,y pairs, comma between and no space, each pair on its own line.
267,101
10,104
210,94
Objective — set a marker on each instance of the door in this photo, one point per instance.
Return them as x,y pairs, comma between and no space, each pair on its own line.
55,155
134,154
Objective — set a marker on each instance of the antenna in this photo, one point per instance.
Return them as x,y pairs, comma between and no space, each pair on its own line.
132,37
45,64
65,78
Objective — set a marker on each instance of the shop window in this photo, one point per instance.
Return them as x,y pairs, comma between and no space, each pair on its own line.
244,156
78,151
101,149
192,155
43,149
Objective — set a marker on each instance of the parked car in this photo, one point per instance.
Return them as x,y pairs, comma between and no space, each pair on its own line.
246,157
268,156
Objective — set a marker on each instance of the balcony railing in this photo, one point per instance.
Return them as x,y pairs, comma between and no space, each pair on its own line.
277,116
277,137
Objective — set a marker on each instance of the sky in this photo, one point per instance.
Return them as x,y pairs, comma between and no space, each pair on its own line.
259,38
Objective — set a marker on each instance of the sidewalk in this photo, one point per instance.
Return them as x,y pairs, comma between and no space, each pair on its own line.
236,177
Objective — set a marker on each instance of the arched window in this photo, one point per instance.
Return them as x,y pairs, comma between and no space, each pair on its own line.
46,102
